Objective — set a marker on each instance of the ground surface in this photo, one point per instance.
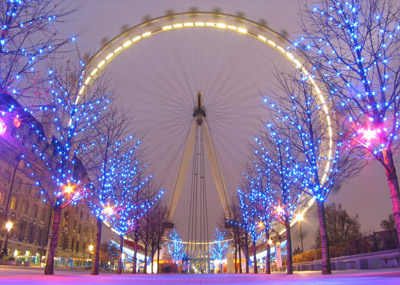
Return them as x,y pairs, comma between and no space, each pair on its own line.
16,275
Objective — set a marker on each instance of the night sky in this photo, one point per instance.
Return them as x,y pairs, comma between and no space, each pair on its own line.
158,80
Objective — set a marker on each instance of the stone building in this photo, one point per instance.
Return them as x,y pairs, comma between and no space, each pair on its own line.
22,203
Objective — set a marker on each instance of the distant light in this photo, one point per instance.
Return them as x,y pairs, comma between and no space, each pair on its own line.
3,127
17,122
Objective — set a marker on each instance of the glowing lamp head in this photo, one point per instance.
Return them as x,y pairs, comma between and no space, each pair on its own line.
260,224
17,122
3,127
9,226
270,241
109,211
91,247
279,210
300,217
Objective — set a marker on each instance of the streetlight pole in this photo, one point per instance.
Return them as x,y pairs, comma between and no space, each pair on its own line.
9,224
300,218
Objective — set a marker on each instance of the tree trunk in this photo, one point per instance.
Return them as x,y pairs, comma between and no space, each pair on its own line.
240,258
134,262
326,260
236,252
255,257
151,258
158,257
247,251
121,247
96,258
289,259
267,260
49,269
393,182
145,258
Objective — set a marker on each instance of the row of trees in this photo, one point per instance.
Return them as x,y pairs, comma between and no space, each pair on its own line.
83,150
352,47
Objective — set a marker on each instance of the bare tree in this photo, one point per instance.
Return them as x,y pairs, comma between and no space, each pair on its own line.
354,45
28,39
107,152
67,138
317,154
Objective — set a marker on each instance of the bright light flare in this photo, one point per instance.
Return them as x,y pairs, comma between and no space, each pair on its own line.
9,226
300,217
3,127
68,189
369,134
109,211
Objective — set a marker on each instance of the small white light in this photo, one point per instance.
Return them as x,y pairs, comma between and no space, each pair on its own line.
210,24
146,34
87,80
118,49
201,24
110,55
188,24
221,25
169,27
264,39
127,44
135,39
176,26
232,27
242,30
93,72
272,43
101,63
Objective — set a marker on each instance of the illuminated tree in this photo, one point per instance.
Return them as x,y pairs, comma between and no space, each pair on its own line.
176,247
122,210
28,38
315,156
262,196
354,46
107,151
219,247
58,170
250,217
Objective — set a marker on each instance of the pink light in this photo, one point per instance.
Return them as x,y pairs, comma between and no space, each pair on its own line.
369,134
3,127
17,122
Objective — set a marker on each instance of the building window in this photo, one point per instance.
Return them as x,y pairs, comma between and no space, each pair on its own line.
81,214
79,229
77,246
31,234
21,230
72,244
74,225
18,183
13,204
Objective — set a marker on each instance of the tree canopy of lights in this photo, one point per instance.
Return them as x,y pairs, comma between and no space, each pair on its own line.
28,38
117,201
305,144
69,132
354,47
176,248
219,248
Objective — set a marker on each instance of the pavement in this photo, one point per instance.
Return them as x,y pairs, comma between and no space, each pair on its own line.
10,275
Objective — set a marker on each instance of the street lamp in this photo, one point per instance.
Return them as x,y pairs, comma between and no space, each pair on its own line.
9,226
300,218
90,251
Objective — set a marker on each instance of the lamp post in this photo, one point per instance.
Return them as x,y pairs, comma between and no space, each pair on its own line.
300,218
9,226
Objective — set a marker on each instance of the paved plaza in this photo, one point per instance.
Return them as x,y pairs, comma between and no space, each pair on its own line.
15,276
